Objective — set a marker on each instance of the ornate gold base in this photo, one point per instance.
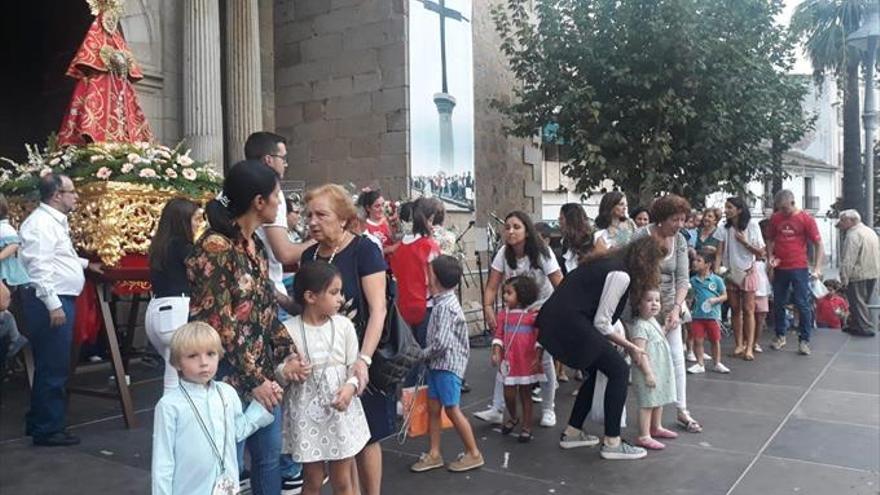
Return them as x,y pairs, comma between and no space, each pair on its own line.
112,218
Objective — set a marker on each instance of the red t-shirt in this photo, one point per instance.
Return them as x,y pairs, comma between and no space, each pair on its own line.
827,308
790,235
382,232
409,263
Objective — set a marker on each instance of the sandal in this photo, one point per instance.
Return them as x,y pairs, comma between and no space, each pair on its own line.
509,426
685,421
738,352
525,436
748,356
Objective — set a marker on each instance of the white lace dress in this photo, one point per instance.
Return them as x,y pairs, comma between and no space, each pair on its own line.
312,429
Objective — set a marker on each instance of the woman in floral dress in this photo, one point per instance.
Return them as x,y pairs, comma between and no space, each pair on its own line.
231,291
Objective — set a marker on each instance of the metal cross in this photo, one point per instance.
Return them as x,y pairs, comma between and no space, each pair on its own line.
443,12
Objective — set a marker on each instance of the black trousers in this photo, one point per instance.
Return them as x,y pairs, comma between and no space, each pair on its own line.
612,364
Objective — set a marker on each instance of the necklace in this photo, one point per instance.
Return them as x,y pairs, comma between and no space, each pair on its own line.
335,249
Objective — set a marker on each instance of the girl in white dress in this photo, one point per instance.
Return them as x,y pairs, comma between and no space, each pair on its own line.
323,420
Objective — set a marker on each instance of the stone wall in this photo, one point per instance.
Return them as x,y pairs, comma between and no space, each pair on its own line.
341,92
507,170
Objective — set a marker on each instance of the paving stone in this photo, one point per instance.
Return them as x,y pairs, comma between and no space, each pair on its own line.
865,382
772,476
846,407
828,443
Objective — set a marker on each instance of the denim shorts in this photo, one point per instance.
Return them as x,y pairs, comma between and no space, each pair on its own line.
444,386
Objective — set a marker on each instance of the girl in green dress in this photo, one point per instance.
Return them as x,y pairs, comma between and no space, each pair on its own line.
653,378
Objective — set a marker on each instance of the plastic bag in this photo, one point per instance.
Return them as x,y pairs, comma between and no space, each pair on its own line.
818,288
415,406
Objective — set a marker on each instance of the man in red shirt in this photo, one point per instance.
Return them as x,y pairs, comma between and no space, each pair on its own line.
790,231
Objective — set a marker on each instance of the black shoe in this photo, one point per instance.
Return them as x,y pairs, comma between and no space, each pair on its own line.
60,439
465,388
292,486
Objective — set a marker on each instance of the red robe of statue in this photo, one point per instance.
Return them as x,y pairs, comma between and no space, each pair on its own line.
104,106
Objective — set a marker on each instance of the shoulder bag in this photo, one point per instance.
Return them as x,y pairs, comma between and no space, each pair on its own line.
397,352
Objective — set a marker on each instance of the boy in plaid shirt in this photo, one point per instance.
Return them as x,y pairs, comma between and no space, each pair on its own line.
447,356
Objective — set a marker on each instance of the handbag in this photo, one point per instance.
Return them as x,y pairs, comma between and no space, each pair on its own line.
397,351
735,275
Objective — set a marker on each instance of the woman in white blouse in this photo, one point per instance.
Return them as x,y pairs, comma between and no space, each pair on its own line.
740,242
524,253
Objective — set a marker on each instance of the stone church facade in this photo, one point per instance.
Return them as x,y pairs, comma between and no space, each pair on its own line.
329,75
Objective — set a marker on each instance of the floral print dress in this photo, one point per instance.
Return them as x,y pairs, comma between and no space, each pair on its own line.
231,291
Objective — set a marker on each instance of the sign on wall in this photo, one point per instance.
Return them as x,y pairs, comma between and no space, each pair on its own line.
442,101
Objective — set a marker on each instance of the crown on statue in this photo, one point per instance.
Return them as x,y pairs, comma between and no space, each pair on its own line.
111,9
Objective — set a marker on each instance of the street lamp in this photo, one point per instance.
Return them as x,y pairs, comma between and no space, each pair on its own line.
865,39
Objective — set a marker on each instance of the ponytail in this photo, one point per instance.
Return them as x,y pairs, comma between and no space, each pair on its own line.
245,181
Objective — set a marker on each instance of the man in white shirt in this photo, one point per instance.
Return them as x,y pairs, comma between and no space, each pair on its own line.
57,277
271,149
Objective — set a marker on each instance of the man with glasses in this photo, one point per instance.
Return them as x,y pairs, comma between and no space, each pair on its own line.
57,277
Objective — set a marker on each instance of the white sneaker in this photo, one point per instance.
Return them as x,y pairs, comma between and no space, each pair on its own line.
490,415
691,357
548,419
697,369
720,368
707,357
536,395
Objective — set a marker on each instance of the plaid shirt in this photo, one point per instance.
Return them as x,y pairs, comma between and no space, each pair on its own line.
448,346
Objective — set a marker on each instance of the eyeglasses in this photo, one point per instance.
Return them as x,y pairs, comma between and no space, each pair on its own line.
67,191
280,157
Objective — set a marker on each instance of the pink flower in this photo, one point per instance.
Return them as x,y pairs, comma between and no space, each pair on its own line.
127,167
185,160
45,172
104,173
189,174
147,173
170,173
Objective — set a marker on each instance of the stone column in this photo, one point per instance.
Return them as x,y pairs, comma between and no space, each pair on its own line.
244,101
202,107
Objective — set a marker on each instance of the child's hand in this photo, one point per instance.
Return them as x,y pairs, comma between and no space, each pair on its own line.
343,397
496,356
650,380
295,369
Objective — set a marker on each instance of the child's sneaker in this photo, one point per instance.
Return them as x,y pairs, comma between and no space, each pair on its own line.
426,463
778,343
490,415
548,418
466,462
691,357
15,346
804,348
697,369
622,452
536,395
720,368
580,439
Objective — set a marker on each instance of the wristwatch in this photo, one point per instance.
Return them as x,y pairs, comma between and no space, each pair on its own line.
366,359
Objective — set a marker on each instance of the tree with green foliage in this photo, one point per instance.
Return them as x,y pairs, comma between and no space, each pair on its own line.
824,25
681,96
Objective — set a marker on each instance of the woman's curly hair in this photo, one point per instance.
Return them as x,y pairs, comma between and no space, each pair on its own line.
667,206
642,259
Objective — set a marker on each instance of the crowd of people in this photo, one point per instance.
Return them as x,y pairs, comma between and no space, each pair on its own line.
283,371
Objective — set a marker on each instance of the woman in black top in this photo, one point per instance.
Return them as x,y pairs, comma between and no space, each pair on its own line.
577,327
169,308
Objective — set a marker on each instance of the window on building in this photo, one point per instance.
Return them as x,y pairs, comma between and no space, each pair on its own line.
811,201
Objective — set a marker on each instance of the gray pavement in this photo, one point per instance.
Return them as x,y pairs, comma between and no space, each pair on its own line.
783,424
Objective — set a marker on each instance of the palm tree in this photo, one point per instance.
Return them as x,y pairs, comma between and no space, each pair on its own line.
824,25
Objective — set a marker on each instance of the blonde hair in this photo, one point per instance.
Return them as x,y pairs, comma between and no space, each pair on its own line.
195,335
340,201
